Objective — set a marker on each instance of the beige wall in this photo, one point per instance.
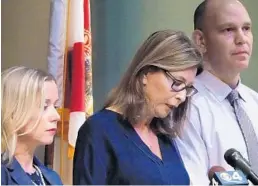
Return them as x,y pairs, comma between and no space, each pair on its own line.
25,33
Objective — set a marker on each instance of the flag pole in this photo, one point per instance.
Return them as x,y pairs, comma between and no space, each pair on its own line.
64,89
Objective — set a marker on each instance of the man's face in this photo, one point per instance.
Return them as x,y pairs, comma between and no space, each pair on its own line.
228,37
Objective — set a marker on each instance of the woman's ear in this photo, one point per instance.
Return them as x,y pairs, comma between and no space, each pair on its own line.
144,79
199,40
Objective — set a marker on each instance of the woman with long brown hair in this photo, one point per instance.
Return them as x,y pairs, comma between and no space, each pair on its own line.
130,141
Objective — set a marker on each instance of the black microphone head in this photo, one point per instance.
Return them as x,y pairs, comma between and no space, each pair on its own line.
231,155
236,160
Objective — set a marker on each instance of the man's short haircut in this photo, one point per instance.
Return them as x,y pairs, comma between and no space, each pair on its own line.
199,15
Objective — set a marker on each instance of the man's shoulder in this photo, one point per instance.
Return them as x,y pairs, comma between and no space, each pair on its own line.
205,102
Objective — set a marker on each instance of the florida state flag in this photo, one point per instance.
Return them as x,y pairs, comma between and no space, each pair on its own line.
69,60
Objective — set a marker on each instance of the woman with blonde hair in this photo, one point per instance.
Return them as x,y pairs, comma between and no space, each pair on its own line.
130,141
29,119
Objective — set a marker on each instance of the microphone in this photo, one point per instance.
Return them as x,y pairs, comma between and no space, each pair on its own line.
219,176
236,160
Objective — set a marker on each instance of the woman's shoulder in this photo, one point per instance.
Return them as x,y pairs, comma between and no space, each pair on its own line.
103,115
101,120
4,174
5,165
3,168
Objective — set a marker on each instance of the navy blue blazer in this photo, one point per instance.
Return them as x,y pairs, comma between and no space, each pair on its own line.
109,151
13,174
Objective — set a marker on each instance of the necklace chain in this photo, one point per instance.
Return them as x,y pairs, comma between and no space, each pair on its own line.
40,175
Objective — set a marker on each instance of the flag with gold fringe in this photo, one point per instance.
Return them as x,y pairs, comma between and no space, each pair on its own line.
81,102
77,71
69,60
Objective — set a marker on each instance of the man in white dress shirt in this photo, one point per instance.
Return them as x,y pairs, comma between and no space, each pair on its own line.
223,33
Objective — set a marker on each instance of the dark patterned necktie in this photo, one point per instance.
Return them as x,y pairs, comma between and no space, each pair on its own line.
247,129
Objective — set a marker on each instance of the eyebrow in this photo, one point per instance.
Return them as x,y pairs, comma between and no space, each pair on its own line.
181,78
249,23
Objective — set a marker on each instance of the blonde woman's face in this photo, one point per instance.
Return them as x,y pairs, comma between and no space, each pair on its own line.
159,93
44,133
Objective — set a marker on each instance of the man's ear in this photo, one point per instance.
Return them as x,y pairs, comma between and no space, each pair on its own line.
199,40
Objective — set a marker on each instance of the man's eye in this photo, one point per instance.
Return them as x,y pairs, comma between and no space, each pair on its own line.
226,30
246,28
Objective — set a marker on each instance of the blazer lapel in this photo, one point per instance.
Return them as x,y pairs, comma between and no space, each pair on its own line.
48,175
18,174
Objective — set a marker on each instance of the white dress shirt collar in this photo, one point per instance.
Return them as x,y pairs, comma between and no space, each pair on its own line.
218,88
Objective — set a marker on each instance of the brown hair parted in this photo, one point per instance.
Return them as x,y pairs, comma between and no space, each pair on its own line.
163,50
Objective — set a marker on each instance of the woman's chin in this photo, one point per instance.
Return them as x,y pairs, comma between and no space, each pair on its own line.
48,141
163,114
